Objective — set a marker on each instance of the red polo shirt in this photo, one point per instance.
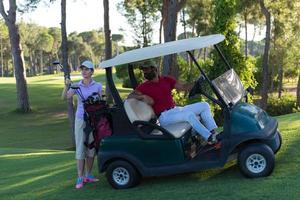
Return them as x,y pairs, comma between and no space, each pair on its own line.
160,92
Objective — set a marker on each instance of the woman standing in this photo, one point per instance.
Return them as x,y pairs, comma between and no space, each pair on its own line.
84,155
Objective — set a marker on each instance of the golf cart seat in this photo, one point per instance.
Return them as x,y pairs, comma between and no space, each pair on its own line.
140,111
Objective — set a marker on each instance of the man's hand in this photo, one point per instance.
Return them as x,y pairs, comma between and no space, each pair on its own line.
147,99
186,87
140,96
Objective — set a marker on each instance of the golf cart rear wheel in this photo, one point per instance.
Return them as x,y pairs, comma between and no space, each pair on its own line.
121,175
256,160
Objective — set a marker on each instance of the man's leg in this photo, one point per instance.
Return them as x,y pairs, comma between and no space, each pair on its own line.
202,109
179,115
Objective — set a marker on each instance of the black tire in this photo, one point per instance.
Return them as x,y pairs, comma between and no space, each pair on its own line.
256,160
121,175
280,142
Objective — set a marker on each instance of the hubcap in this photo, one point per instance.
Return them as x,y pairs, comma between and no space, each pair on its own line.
120,175
256,163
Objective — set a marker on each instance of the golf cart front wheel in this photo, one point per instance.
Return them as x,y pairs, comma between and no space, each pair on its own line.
121,175
256,160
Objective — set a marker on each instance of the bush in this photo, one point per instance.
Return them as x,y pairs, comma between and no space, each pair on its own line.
281,106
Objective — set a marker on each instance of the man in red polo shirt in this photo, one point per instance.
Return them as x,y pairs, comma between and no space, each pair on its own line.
157,92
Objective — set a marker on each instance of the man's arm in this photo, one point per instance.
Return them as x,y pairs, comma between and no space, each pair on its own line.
140,96
184,86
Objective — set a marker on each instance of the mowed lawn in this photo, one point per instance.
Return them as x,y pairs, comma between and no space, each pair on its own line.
36,163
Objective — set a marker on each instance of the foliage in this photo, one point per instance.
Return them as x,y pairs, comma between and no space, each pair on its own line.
200,17
256,48
225,23
43,44
281,106
141,15
122,73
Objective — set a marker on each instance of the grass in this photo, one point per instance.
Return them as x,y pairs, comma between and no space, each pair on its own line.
35,162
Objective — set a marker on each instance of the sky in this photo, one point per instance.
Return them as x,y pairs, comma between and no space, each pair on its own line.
86,15
82,15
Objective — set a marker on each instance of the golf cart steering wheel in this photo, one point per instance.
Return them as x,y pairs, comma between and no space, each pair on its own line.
197,86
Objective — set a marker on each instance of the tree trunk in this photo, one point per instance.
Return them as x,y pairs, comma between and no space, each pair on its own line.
35,64
273,66
64,49
160,30
33,72
298,91
246,35
41,62
265,71
170,21
108,49
280,79
2,67
19,69
252,41
17,55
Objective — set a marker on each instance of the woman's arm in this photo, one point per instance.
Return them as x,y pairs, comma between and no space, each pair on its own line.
70,93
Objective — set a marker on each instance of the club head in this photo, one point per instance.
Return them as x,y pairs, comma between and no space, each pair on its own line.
56,62
75,87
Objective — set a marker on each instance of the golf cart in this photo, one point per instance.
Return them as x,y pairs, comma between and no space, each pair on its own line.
140,147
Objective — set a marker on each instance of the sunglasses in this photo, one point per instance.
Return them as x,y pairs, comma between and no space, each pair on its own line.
147,68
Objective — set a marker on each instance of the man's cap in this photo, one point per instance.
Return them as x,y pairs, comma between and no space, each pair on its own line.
148,63
88,64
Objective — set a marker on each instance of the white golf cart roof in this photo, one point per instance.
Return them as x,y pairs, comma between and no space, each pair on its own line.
162,50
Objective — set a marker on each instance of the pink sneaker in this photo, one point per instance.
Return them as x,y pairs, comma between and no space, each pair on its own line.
79,183
90,179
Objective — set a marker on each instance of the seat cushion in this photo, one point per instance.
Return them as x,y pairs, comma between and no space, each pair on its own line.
138,110
177,130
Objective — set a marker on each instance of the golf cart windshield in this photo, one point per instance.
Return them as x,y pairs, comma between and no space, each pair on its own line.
230,87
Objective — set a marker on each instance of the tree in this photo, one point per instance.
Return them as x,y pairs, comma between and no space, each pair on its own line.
249,11
56,35
44,43
169,15
64,50
17,53
117,38
3,38
108,49
265,63
225,23
29,34
77,50
141,15
200,16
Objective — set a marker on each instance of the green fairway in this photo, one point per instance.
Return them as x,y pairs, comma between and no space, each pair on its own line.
35,162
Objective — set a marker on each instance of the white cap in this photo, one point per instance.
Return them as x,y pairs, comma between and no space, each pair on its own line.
88,64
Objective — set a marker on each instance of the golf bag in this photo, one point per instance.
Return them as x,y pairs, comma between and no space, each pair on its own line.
97,120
